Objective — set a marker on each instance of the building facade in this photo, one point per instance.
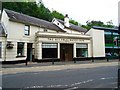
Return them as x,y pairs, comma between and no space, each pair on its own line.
112,41
23,36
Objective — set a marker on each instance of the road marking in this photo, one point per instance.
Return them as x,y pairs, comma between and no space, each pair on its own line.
55,86
36,73
83,82
102,78
108,78
71,88
70,70
35,87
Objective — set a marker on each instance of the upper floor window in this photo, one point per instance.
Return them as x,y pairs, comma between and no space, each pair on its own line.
45,30
27,30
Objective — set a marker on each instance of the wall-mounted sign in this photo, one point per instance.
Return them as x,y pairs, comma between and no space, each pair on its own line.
65,40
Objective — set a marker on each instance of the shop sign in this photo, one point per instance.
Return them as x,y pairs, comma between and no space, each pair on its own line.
65,40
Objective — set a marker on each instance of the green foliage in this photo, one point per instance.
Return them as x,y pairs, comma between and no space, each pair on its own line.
73,22
95,23
87,27
35,10
58,15
44,13
61,17
90,24
40,11
29,8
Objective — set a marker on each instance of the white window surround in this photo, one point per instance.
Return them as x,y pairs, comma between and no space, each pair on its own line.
27,30
20,49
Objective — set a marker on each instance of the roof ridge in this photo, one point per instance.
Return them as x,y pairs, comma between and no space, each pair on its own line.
26,15
99,27
24,18
72,24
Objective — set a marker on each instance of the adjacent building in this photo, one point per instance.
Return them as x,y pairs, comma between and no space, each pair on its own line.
23,36
112,41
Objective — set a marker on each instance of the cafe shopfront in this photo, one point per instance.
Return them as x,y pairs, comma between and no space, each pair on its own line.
63,46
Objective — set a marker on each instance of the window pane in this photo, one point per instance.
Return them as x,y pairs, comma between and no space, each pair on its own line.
81,50
26,29
81,45
26,32
20,49
49,45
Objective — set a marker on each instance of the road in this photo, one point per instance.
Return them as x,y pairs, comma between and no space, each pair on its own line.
69,79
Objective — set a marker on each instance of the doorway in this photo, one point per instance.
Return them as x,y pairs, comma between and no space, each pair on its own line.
29,52
66,52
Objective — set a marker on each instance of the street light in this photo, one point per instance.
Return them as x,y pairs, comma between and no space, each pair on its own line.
119,57
119,41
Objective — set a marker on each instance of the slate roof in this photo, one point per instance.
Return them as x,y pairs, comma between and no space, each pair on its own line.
106,29
2,32
22,18
74,27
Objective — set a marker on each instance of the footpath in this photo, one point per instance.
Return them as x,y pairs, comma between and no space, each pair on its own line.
48,66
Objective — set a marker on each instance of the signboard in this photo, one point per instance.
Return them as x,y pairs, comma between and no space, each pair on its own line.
64,39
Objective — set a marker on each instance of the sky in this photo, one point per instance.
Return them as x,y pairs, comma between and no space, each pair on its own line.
84,10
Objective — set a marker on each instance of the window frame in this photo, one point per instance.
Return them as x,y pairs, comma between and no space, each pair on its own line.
18,49
81,47
27,29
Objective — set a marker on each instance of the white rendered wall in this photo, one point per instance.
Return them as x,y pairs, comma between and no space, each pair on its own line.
98,42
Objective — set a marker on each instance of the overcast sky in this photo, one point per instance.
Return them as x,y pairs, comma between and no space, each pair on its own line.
83,10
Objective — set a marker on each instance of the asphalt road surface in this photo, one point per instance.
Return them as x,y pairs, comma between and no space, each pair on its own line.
68,79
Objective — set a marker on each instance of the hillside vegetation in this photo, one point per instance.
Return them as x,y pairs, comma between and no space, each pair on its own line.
39,10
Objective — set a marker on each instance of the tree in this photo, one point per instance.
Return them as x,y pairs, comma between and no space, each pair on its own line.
22,7
92,23
44,13
34,9
58,15
30,8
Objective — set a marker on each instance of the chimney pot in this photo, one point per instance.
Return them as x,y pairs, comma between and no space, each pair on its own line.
66,20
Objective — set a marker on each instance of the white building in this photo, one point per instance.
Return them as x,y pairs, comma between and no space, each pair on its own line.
23,36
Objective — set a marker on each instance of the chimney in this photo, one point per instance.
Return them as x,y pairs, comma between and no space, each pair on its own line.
66,20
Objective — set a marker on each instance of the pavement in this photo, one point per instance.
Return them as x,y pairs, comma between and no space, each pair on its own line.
48,66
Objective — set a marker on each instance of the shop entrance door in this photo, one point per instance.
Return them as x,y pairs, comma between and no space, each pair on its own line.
66,52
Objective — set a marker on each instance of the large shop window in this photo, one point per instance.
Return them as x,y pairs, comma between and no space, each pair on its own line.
82,50
49,50
0,49
20,49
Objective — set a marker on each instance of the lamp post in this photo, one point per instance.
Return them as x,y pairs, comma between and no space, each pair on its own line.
119,57
118,46
119,42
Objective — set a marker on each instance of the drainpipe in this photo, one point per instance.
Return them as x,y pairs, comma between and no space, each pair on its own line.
6,34
5,47
92,49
